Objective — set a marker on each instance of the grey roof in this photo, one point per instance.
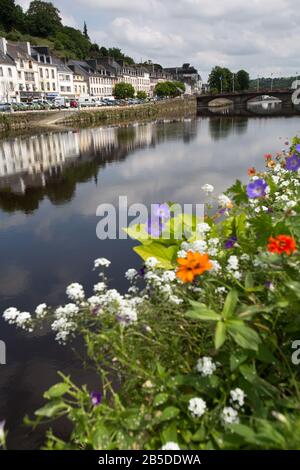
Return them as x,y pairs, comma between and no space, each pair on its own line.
6,59
18,50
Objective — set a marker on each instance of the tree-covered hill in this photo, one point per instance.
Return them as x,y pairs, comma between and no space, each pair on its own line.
278,82
41,24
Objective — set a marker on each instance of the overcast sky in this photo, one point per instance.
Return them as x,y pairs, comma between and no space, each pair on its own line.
262,36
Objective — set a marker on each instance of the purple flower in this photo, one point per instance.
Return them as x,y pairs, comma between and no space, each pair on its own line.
230,243
293,163
96,398
155,227
298,148
257,189
161,212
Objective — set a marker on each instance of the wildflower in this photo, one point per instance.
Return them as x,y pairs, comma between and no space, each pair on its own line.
151,262
155,227
181,254
99,287
101,263
237,397
206,366
257,188
251,171
271,164
10,315
161,212
131,274
170,446
197,407
225,202
41,310
96,398
168,276
199,246
229,415
292,163
282,244
230,242
193,265
203,228
75,291
267,156
207,188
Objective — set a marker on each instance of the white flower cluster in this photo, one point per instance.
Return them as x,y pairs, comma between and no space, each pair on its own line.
202,229
206,366
21,319
197,407
41,311
237,397
224,201
207,188
64,324
131,274
229,415
101,263
170,446
233,266
165,283
75,292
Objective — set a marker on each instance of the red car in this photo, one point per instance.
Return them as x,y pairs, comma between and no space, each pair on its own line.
74,104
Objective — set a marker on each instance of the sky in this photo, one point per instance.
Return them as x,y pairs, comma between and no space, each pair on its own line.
261,36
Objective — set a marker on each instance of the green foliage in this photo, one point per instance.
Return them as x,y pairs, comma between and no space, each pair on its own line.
43,19
141,95
220,78
169,89
242,80
123,91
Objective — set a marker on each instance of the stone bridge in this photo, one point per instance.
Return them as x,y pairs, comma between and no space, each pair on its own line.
240,99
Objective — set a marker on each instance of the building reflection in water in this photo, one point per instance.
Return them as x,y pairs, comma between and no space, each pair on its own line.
28,162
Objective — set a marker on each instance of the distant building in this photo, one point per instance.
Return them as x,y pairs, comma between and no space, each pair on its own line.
156,75
295,84
8,75
65,79
47,70
187,74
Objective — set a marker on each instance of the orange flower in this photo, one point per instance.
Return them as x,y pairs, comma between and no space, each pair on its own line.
251,171
282,244
271,164
192,266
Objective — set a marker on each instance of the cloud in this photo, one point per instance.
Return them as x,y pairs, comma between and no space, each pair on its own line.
261,36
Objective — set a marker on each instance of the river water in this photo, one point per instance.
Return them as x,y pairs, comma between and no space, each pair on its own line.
50,187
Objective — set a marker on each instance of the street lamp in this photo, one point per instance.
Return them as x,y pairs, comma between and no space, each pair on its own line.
271,81
257,82
233,84
221,80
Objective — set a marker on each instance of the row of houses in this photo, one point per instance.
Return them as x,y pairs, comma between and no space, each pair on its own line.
31,72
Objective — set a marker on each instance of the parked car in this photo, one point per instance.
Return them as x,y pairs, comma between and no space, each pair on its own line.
4,107
73,104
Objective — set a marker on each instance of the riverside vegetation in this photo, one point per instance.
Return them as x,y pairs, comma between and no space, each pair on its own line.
198,354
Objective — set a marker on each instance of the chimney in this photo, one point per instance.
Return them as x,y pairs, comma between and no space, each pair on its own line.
3,45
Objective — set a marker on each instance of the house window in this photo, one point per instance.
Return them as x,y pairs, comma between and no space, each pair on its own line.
48,86
47,73
11,86
30,64
9,72
19,74
42,86
41,73
1,72
52,74
53,86
22,63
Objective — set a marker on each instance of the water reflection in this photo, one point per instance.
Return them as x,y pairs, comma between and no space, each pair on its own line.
51,185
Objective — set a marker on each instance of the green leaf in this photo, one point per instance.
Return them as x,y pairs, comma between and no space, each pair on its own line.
138,232
244,431
57,390
100,438
132,418
169,413
220,334
243,335
230,304
164,255
51,409
201,312
160,399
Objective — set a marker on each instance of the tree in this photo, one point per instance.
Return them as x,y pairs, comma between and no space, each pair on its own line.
141,95
123,90
220,78
85,31
12,16
243,80
169,89
43,19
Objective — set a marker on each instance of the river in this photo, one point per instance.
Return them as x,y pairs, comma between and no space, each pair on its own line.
50,187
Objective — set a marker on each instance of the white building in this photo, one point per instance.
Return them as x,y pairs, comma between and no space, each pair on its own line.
65,80
8,76
48,80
